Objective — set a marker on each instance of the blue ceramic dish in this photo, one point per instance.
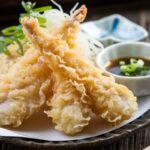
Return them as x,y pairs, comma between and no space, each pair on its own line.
114,29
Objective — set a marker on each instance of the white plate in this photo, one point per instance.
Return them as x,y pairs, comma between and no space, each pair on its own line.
40,127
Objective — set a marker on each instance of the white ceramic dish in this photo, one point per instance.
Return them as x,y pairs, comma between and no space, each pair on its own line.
114,28
139,85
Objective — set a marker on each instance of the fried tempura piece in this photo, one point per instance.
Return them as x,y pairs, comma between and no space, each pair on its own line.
23,87
6,62
107,99
70,27
69,109
69,96
15,111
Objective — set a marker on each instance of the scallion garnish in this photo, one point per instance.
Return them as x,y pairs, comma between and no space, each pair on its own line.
14,34
9,30
28,6
134,68
42,9
122,63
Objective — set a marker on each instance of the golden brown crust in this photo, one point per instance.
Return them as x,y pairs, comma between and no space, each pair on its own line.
80,14
107,99
22,87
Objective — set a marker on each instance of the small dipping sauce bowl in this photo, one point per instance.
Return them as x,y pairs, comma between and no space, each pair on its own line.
140,85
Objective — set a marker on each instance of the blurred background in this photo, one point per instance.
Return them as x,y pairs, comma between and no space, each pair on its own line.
135,10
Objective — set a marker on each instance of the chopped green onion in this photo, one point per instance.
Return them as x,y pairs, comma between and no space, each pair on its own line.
136,67
41,20
4,49
122,63
9,31
14,34
133,61
127,74
128,68
8,41
28,6
140,63
24,14
42,9
20,49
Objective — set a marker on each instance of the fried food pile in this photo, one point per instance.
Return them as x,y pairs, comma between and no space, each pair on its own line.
54,71
79,87
23,86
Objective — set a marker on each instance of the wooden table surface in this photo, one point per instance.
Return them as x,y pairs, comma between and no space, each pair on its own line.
136,12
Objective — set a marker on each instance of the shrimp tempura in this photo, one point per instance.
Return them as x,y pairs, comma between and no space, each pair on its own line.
100,94
24,82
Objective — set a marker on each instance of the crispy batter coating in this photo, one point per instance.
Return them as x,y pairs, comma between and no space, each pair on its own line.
73,74
56,70
27,81
69,109
23,84
6,62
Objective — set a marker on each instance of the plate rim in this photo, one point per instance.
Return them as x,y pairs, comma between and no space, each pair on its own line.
140,123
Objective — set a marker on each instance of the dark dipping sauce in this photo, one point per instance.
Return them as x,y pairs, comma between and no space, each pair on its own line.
114,65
